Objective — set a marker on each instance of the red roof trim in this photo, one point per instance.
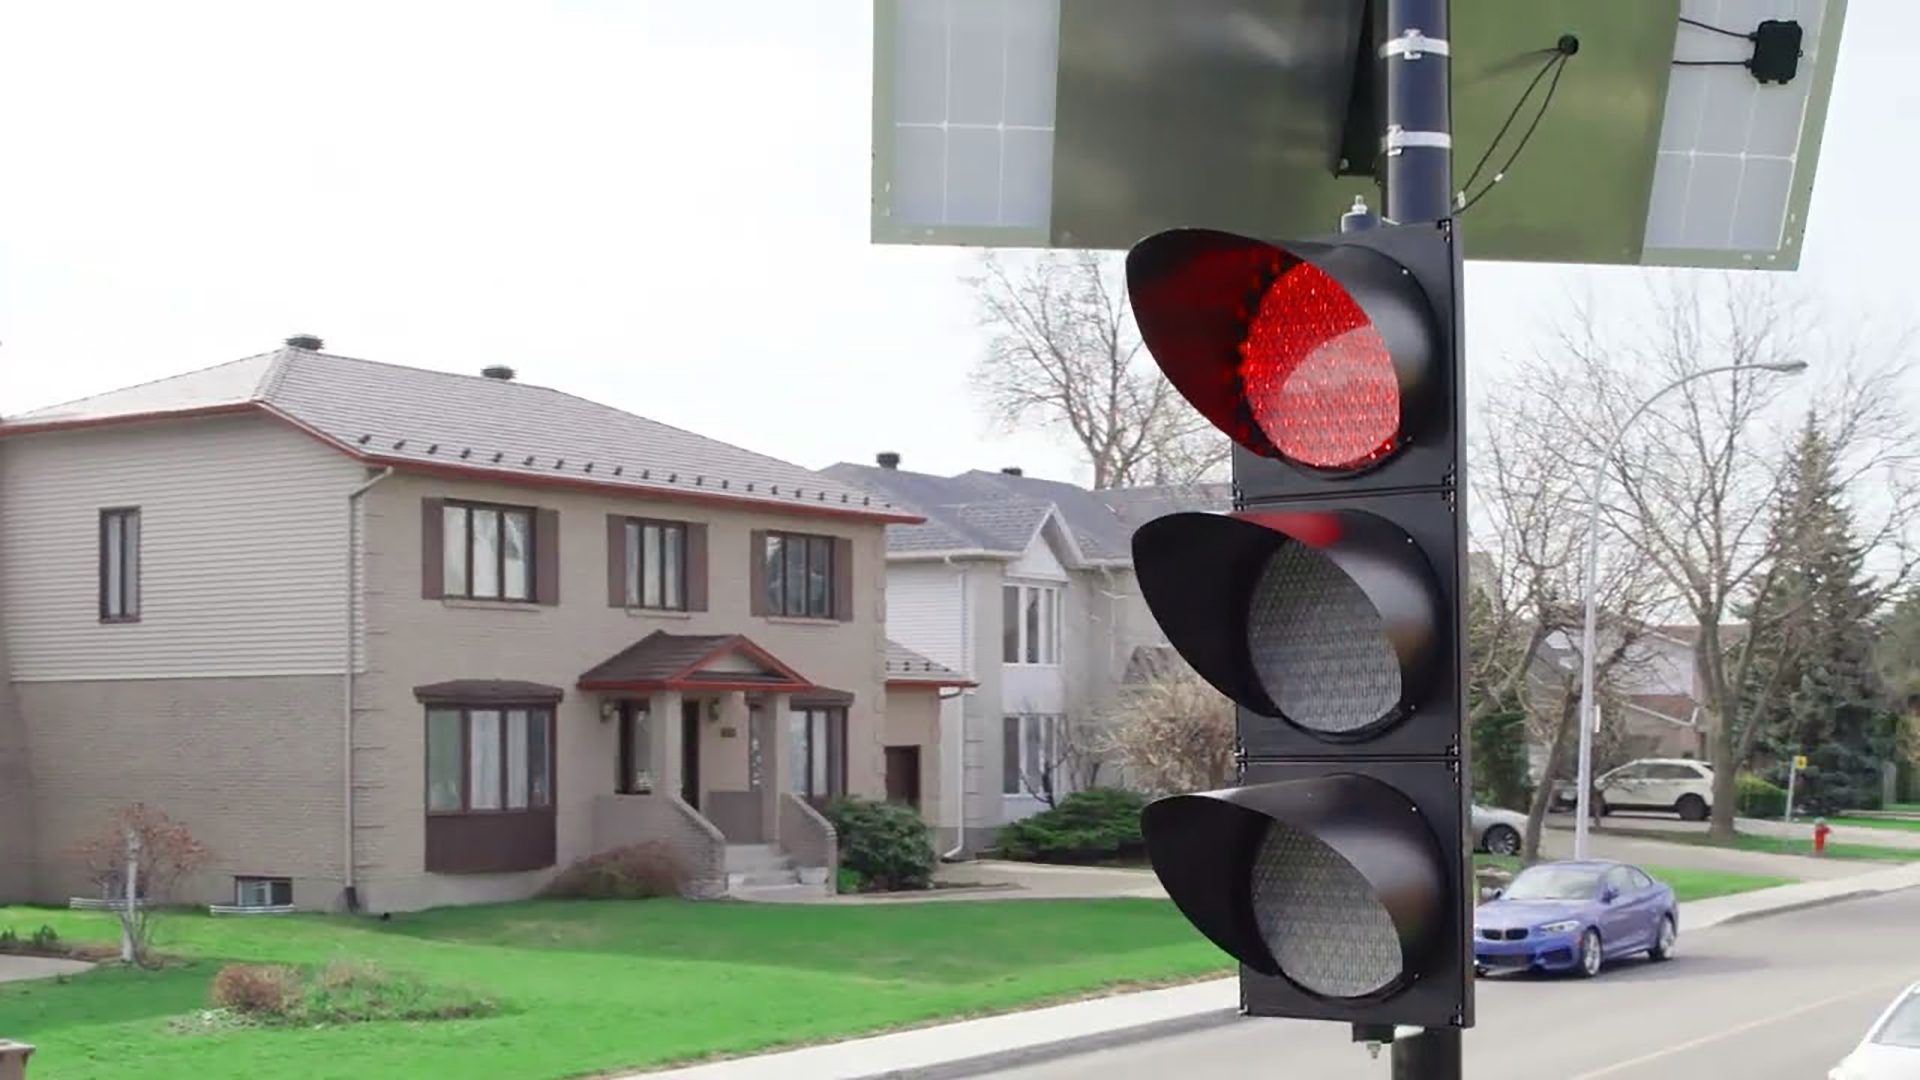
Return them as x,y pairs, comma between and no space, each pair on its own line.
798,507
696,686
743,645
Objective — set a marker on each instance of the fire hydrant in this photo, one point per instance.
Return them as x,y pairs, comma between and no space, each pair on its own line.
1820,831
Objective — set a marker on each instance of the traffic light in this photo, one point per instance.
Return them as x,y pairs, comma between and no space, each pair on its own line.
1328,606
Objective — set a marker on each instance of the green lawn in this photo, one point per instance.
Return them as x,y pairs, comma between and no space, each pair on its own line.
589,987
1899,824
1687,884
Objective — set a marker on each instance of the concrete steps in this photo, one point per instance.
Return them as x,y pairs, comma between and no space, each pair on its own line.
764,872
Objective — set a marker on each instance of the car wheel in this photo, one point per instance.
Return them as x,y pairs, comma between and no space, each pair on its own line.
1664,939
1590,958
1502,840
1691,808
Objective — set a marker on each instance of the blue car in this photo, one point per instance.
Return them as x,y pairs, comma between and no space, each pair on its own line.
1574,916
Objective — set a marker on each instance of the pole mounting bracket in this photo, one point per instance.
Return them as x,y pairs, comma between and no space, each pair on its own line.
1398,138
1413,45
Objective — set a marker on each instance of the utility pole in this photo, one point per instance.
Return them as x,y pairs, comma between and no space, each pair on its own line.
1415,77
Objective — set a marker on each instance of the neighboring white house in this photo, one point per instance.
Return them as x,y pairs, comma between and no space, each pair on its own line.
1025,586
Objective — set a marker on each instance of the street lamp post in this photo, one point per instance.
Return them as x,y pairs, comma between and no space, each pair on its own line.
1588,631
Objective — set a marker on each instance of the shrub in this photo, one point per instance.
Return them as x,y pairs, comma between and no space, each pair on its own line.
264,990
1100,825
1759,798
42,942
886,844
344,992
347,992
638,872
848,880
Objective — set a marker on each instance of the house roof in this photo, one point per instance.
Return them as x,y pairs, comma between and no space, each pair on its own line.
663,661
908,668
998,514
1149,662
435,421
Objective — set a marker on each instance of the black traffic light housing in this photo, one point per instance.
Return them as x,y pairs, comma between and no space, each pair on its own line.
1329,605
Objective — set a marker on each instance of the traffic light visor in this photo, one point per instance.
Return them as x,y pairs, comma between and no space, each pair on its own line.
1327,620
1309,353
1335,883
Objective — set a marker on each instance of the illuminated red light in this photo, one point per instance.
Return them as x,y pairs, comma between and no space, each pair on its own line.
1318,378
1313,530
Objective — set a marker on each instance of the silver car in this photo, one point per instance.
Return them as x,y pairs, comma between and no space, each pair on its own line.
1497,831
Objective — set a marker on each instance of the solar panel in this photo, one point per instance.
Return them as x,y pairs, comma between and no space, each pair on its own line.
1092,123
1734,170
969,95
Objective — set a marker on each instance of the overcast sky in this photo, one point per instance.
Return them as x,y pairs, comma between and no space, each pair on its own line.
662,204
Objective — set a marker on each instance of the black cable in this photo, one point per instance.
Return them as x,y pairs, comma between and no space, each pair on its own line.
1512,115
1716,29
1558,65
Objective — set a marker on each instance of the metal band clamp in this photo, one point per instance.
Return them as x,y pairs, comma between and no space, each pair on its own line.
1398,138
1413,45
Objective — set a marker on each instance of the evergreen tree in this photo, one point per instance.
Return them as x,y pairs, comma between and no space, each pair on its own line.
1814,684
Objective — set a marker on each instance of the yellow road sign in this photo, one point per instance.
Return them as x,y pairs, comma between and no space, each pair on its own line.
1799,761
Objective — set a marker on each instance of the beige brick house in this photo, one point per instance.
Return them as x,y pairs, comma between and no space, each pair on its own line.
561,627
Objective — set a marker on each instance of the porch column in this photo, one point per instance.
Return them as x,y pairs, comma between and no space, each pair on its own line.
663,741
776,748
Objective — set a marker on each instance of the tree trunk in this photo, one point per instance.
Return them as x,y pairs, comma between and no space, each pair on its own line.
1543,791
1726,769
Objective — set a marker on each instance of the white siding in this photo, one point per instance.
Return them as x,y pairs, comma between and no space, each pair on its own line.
1039,562
242,563
926,612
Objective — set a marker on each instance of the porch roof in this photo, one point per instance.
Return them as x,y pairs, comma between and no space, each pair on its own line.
694,662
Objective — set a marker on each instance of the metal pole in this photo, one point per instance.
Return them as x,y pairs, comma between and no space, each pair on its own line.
1416,141
1433,1054
1591,570
1416,176
1793,771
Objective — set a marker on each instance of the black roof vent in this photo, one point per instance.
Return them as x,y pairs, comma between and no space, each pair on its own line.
498,371
1014,470
306,341
887,459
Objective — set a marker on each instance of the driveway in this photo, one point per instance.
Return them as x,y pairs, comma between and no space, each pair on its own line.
21,968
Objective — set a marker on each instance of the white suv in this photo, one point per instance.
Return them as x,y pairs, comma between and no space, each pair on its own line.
1680,786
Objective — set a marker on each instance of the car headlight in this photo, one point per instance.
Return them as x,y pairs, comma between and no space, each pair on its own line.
1564,926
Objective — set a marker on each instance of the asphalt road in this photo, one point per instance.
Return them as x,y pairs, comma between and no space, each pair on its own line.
1778,998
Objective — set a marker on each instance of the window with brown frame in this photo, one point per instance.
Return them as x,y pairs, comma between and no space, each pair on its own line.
656,564
800,575
488,551
493,760
817,739
120,564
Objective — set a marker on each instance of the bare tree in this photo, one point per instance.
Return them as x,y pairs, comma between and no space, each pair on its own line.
135,861
1693,484
1174,734
1528,580
1065,759
1064,354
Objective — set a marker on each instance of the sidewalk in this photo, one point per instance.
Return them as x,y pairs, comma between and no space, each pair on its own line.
980,1047
1799,829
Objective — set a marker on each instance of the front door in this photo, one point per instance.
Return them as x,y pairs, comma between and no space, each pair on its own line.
903,775
690,753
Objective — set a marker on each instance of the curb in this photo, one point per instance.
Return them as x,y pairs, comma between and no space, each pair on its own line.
1802,905
1040,1053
